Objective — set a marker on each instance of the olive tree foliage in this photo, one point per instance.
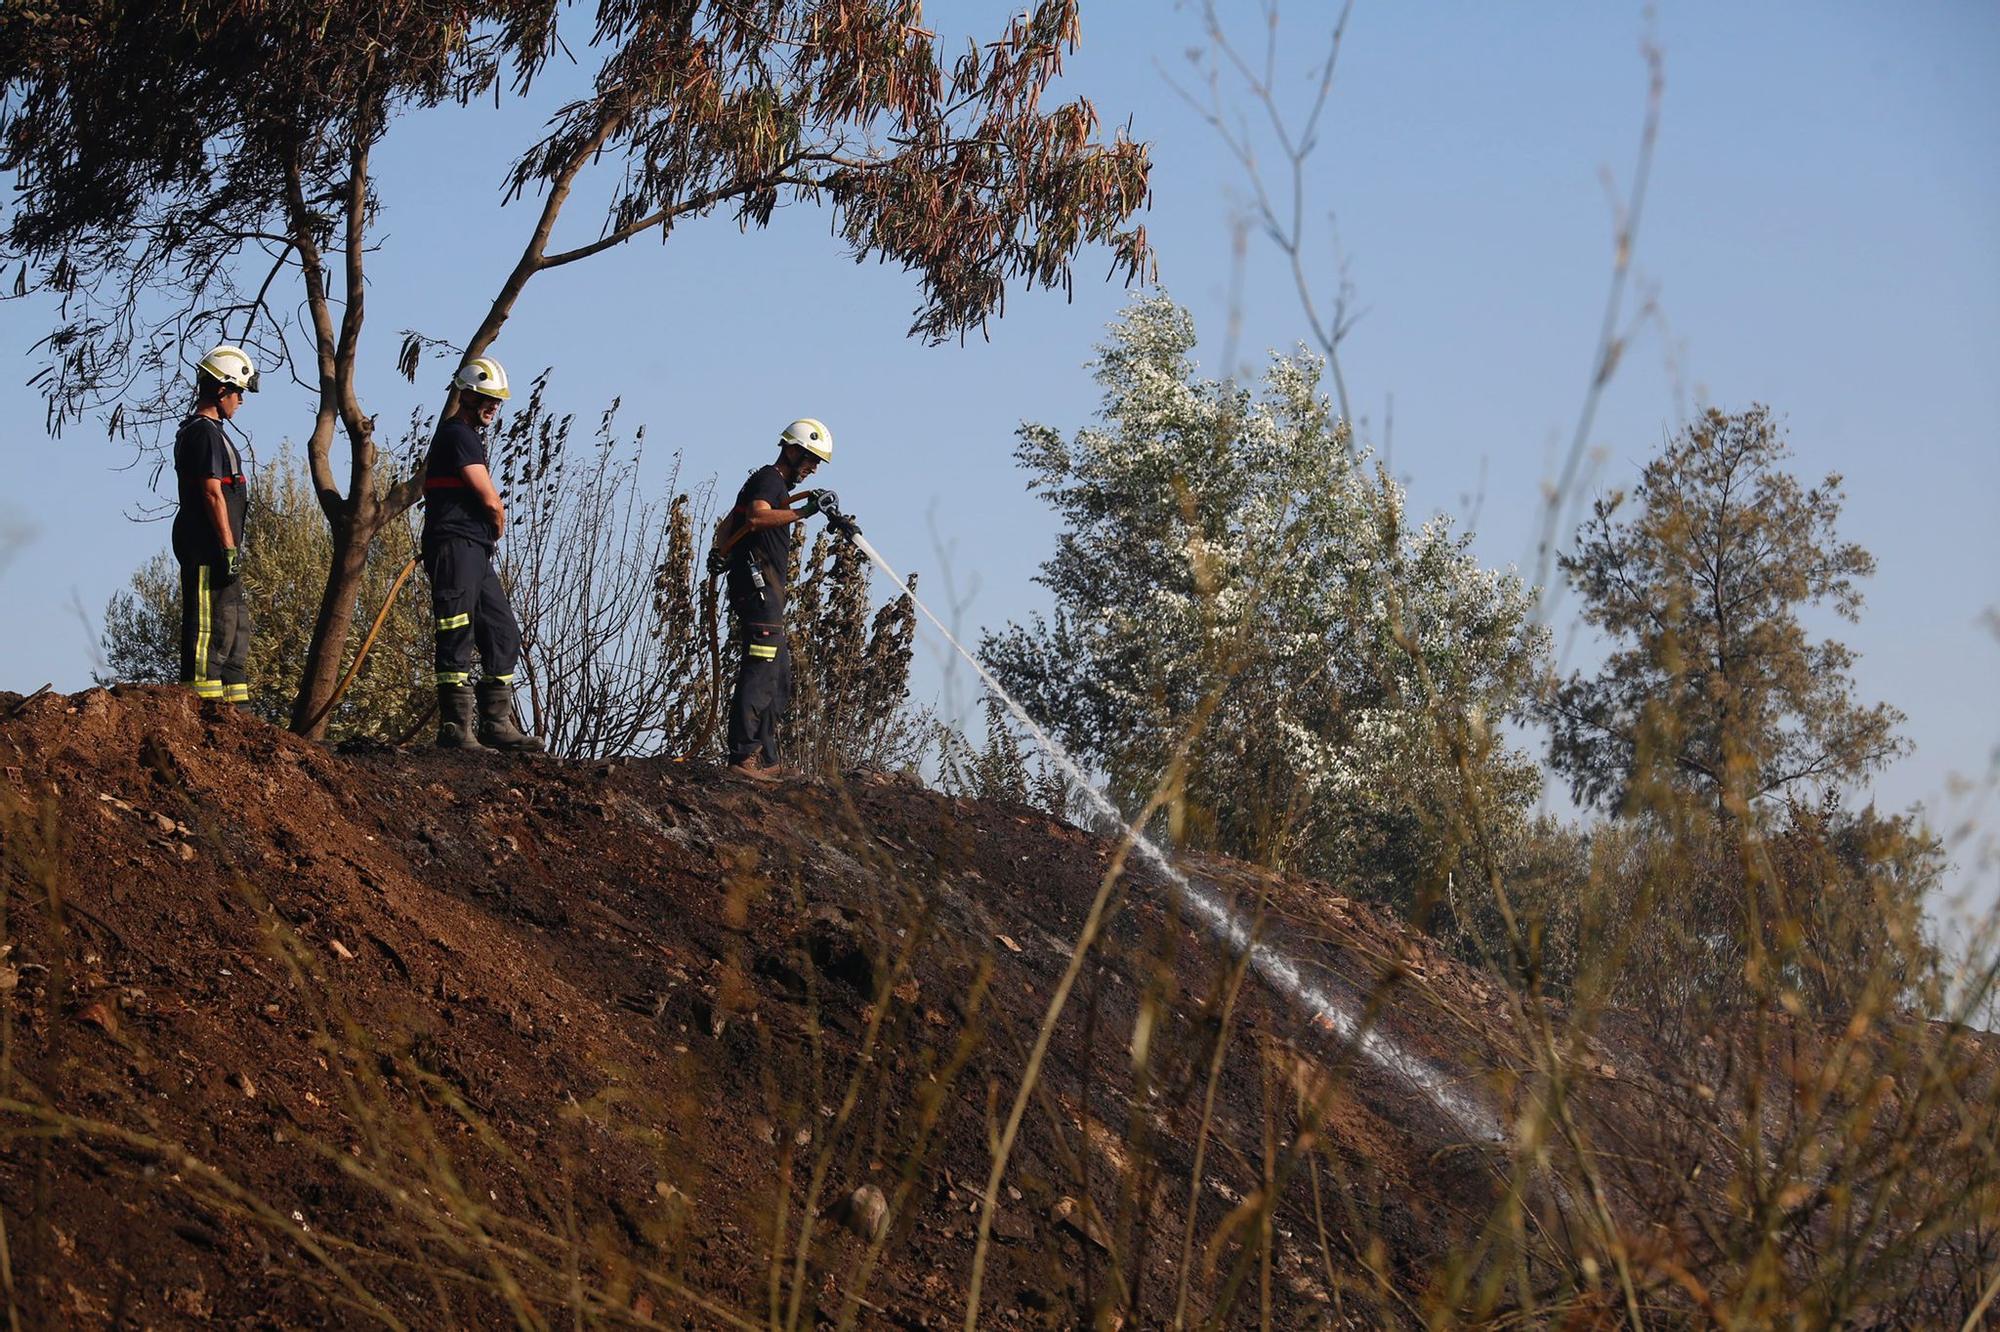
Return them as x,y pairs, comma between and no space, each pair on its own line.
190,172
1713,686
1220,539
140,621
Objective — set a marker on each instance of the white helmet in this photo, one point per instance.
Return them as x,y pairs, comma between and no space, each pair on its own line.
810,435
483,375
231,366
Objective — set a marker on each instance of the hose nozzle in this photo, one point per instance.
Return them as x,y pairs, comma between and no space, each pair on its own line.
836,517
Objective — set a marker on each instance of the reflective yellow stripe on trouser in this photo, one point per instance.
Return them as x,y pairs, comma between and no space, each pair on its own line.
445,626
764,651
204,602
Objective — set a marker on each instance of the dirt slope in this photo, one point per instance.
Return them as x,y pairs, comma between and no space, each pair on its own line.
325,1039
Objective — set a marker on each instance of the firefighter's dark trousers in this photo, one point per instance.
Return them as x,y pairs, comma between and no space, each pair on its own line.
215,634
764,679
471,611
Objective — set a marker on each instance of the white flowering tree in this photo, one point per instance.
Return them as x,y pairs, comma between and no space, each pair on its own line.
1220,540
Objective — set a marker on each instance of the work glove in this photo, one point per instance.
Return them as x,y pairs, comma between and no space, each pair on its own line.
231,566
811,503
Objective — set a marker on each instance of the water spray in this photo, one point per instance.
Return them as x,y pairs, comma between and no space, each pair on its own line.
1274,968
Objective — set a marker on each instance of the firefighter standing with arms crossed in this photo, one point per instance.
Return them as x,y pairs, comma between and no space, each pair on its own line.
208,531
463,520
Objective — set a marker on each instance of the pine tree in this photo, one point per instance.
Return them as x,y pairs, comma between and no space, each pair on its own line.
1713,685
1732,743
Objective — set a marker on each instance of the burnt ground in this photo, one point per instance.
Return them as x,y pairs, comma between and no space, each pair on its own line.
304,1038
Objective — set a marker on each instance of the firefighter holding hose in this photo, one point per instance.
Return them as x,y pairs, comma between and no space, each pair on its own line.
752,550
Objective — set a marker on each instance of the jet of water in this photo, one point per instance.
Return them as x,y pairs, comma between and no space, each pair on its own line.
1277,971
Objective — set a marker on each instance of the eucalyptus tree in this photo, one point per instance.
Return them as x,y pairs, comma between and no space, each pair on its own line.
202,169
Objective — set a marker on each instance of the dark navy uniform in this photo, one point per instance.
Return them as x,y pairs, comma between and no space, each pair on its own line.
756,583
470,606
215,624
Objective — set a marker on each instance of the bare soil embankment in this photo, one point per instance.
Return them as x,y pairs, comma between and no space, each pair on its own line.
304,1038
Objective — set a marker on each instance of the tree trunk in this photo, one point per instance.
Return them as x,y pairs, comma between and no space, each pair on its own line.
321,672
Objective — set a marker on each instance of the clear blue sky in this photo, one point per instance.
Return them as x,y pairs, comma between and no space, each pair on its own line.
1821,236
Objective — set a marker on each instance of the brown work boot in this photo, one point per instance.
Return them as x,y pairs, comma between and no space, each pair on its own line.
497,728
458,718
754,769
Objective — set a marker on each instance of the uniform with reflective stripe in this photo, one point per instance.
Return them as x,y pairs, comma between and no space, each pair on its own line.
215,624
215,634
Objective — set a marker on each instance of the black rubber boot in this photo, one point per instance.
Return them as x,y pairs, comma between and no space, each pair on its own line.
496,720
458,718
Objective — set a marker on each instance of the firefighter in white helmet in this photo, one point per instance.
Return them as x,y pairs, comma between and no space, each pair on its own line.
463,519
756,548
208,531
